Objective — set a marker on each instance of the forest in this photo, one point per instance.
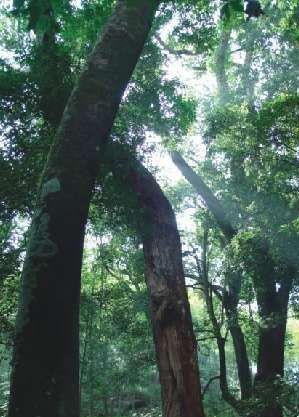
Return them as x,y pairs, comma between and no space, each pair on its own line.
149,208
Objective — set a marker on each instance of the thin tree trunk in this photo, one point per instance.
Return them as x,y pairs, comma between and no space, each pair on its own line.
227,396
45,375
230,303
231,298
272,302
174,339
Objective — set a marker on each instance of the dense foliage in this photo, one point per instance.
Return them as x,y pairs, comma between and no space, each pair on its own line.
223,92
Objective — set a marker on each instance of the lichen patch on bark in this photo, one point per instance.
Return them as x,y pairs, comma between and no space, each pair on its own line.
50,187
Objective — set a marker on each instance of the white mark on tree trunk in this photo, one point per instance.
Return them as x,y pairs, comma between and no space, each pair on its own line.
50,187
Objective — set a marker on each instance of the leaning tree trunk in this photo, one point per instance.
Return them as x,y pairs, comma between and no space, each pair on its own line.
45,373
175,343
231,296
272,293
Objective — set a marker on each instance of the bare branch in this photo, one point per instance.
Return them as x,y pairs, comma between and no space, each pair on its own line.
203,339
206,387
206,194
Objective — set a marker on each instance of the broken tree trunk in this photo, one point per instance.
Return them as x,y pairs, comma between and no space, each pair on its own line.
175,343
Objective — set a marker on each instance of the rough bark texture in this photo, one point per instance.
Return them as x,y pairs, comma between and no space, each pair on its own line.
175,343
45,374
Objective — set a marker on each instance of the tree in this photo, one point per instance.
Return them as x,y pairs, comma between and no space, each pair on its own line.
174,339
86,114
248,124
237,114
46,342
272,303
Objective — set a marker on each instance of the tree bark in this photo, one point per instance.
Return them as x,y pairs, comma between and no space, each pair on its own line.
45,375
175,343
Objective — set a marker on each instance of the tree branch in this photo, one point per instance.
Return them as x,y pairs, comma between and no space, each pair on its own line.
206,387
206,194
177,52
220,67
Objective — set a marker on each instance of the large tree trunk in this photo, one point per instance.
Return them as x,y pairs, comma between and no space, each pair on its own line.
272,297
45,373
175,343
